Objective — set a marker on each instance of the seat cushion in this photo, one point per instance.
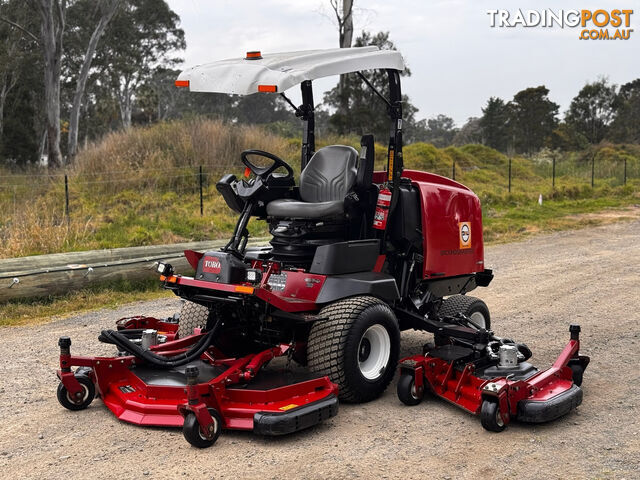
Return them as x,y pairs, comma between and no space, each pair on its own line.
288,208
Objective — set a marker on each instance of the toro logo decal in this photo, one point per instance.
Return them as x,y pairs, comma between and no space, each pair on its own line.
465,234
211,265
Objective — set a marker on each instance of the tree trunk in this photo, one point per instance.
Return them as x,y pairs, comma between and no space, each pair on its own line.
52,14
346,33
3,98
125,101
108,11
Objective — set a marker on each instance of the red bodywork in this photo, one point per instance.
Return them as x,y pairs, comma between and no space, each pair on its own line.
459,385
134,401
449,210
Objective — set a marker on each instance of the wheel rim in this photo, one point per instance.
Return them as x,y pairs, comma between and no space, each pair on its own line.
499,420
374,351
215,429
414,392
478,319
85,395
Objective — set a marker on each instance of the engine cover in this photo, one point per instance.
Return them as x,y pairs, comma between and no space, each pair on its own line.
221,267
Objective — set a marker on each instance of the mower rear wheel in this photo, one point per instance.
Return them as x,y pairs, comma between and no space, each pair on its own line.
87,395
192,316
193,434
472,307
407,392
357,347
490,417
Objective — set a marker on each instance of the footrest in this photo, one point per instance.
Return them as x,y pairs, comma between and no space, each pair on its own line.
299,418
539,411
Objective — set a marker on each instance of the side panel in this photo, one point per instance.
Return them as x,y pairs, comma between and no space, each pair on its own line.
451,226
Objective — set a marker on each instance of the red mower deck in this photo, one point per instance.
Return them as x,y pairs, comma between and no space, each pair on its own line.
497,393
203,396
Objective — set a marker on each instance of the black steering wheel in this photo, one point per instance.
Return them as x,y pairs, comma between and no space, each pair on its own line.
265,172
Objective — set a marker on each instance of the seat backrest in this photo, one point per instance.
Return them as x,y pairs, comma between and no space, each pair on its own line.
329,175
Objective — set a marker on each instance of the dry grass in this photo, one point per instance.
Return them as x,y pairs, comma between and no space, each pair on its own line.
141,187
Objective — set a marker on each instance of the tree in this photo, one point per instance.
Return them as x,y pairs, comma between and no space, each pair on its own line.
106,9
52,15
52,22
494,124
343,11
470,132
626,125
533,118
358,110
566,137
141,37
440,131
592,110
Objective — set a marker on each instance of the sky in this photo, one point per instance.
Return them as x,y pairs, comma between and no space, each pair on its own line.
456,59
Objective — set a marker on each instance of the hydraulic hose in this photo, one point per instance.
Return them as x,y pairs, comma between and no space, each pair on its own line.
160,361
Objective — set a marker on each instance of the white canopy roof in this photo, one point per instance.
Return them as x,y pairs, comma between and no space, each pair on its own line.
284,70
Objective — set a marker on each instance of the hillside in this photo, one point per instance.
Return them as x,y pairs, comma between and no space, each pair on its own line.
141,187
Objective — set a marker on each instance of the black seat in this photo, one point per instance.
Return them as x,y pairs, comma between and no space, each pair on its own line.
325,182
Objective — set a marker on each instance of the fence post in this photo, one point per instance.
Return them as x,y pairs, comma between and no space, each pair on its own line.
509,174
454,170
66,196
553,173
624,179
593,169
201,203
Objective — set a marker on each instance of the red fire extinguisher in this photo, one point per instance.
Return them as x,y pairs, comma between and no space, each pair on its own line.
382,209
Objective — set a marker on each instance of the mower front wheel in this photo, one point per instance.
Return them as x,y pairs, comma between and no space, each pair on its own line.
407,392
84,399
193,434
490,416
357,347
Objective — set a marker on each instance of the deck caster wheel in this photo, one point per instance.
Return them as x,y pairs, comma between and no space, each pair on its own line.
193,434
490,416
83,400
407,391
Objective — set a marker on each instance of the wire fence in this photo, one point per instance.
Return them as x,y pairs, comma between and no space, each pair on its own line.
99,191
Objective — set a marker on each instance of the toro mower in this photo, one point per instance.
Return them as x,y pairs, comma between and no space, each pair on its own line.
356,256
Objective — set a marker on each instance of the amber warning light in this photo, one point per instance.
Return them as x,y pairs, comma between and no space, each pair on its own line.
256,55
182,83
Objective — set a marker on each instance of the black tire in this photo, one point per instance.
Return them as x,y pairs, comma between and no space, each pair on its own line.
192,316
88,394
490,417
337,348
192,433
407,392
472,307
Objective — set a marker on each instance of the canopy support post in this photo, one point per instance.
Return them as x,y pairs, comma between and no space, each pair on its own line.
309,124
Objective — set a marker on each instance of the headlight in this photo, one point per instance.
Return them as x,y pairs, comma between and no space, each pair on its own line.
164,269
253,275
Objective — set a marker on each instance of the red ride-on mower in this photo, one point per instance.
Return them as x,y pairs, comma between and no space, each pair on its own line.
356,257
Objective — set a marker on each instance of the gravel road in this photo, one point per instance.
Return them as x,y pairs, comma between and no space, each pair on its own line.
587,276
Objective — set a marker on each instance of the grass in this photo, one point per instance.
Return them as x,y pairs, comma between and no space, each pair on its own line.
42,310
141,187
